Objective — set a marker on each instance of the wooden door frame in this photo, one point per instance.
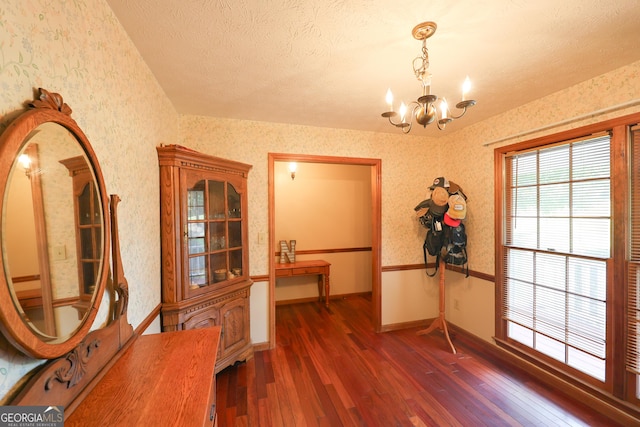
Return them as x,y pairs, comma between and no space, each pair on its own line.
376,229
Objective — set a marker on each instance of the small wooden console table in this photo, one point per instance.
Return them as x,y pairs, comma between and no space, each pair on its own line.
319,267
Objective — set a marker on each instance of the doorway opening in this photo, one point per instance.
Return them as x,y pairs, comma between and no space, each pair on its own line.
374,166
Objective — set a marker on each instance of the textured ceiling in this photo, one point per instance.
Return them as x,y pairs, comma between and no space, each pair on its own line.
329,63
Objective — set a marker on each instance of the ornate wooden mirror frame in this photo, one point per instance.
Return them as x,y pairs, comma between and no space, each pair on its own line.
76,360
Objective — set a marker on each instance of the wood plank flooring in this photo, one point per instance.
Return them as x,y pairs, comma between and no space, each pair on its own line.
330,369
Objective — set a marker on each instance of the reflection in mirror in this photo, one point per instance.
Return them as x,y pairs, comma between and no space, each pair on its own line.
88,225
52,255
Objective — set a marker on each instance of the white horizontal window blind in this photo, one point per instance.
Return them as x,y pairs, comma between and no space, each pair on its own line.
557,246
633,282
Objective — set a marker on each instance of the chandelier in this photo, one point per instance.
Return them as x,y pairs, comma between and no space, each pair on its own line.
424,110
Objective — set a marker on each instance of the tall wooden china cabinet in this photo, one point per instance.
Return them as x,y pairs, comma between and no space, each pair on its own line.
205,253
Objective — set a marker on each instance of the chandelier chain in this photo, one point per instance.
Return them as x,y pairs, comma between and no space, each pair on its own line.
422,71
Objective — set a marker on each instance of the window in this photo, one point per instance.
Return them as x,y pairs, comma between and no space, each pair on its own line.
568,255
556,249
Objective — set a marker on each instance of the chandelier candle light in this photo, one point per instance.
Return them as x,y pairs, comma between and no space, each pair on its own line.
424,110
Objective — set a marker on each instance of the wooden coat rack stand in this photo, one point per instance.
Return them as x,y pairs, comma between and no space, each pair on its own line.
440,322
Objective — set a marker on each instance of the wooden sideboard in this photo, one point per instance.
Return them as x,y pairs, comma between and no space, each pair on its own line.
320,268
161,379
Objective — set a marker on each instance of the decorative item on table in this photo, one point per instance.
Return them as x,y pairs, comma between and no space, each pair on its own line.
220,274
287,251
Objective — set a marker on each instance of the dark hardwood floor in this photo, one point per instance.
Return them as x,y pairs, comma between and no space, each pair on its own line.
330,369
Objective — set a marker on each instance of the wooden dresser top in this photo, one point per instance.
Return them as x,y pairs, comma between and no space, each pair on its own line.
161,379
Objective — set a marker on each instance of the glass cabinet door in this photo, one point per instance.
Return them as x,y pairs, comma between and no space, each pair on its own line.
213,232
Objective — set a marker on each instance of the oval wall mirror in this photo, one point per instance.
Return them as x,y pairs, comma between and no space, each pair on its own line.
54,231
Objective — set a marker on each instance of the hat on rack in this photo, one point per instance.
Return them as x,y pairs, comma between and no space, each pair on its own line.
439,200
457,207
451,222
422,212
423,204
440,182
453,187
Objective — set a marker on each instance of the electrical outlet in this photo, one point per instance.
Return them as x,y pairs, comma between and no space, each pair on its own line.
456,304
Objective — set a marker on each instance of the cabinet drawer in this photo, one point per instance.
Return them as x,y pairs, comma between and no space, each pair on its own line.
307,270
202,318
283,273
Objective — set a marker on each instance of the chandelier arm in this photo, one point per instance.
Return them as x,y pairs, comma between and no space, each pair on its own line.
442,123
406,126
399,124
414,114
415,104
464,110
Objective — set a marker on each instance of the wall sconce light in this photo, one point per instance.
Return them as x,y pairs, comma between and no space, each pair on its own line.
292,168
